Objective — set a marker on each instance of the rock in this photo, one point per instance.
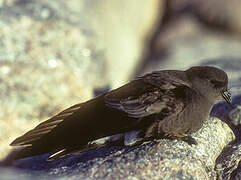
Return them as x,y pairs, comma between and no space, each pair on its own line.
228,165
152,160
185,42
10,174
123,30
54,53
235,116
218,14
37,70
221,14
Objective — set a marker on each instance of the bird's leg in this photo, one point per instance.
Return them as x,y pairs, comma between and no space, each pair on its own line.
181,135
184,137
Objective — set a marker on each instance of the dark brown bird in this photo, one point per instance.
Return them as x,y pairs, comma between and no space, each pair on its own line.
167,103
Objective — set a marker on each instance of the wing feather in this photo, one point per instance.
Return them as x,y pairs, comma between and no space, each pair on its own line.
158,94
152,94
45,127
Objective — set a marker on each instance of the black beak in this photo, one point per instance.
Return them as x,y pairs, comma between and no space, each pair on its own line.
226,96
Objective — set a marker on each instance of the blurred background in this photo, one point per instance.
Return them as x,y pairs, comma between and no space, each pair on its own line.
56,53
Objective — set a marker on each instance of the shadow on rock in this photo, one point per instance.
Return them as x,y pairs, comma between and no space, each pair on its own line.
41,162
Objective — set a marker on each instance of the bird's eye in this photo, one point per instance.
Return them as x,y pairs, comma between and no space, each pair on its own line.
217,84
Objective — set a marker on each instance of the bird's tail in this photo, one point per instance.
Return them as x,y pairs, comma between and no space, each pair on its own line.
19,153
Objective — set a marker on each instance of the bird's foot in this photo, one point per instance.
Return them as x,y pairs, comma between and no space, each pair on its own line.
190,140
181,135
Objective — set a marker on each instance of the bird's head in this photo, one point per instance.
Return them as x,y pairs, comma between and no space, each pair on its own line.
211,82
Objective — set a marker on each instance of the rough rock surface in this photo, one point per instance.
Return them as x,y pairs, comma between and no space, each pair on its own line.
228,165
218,14
221,14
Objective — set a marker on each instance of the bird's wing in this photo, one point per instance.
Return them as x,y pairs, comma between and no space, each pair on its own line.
161,91
136,106
108,114
45,127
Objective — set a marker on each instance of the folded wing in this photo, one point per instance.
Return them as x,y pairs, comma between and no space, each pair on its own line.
116,112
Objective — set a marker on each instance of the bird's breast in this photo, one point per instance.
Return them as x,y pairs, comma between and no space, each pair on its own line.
197,113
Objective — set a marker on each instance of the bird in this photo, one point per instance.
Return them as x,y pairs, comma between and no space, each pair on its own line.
162,104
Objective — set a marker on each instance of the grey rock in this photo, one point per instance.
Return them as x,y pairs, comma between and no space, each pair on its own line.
11,174
235,116
185,42
221,14
218,14
228,165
